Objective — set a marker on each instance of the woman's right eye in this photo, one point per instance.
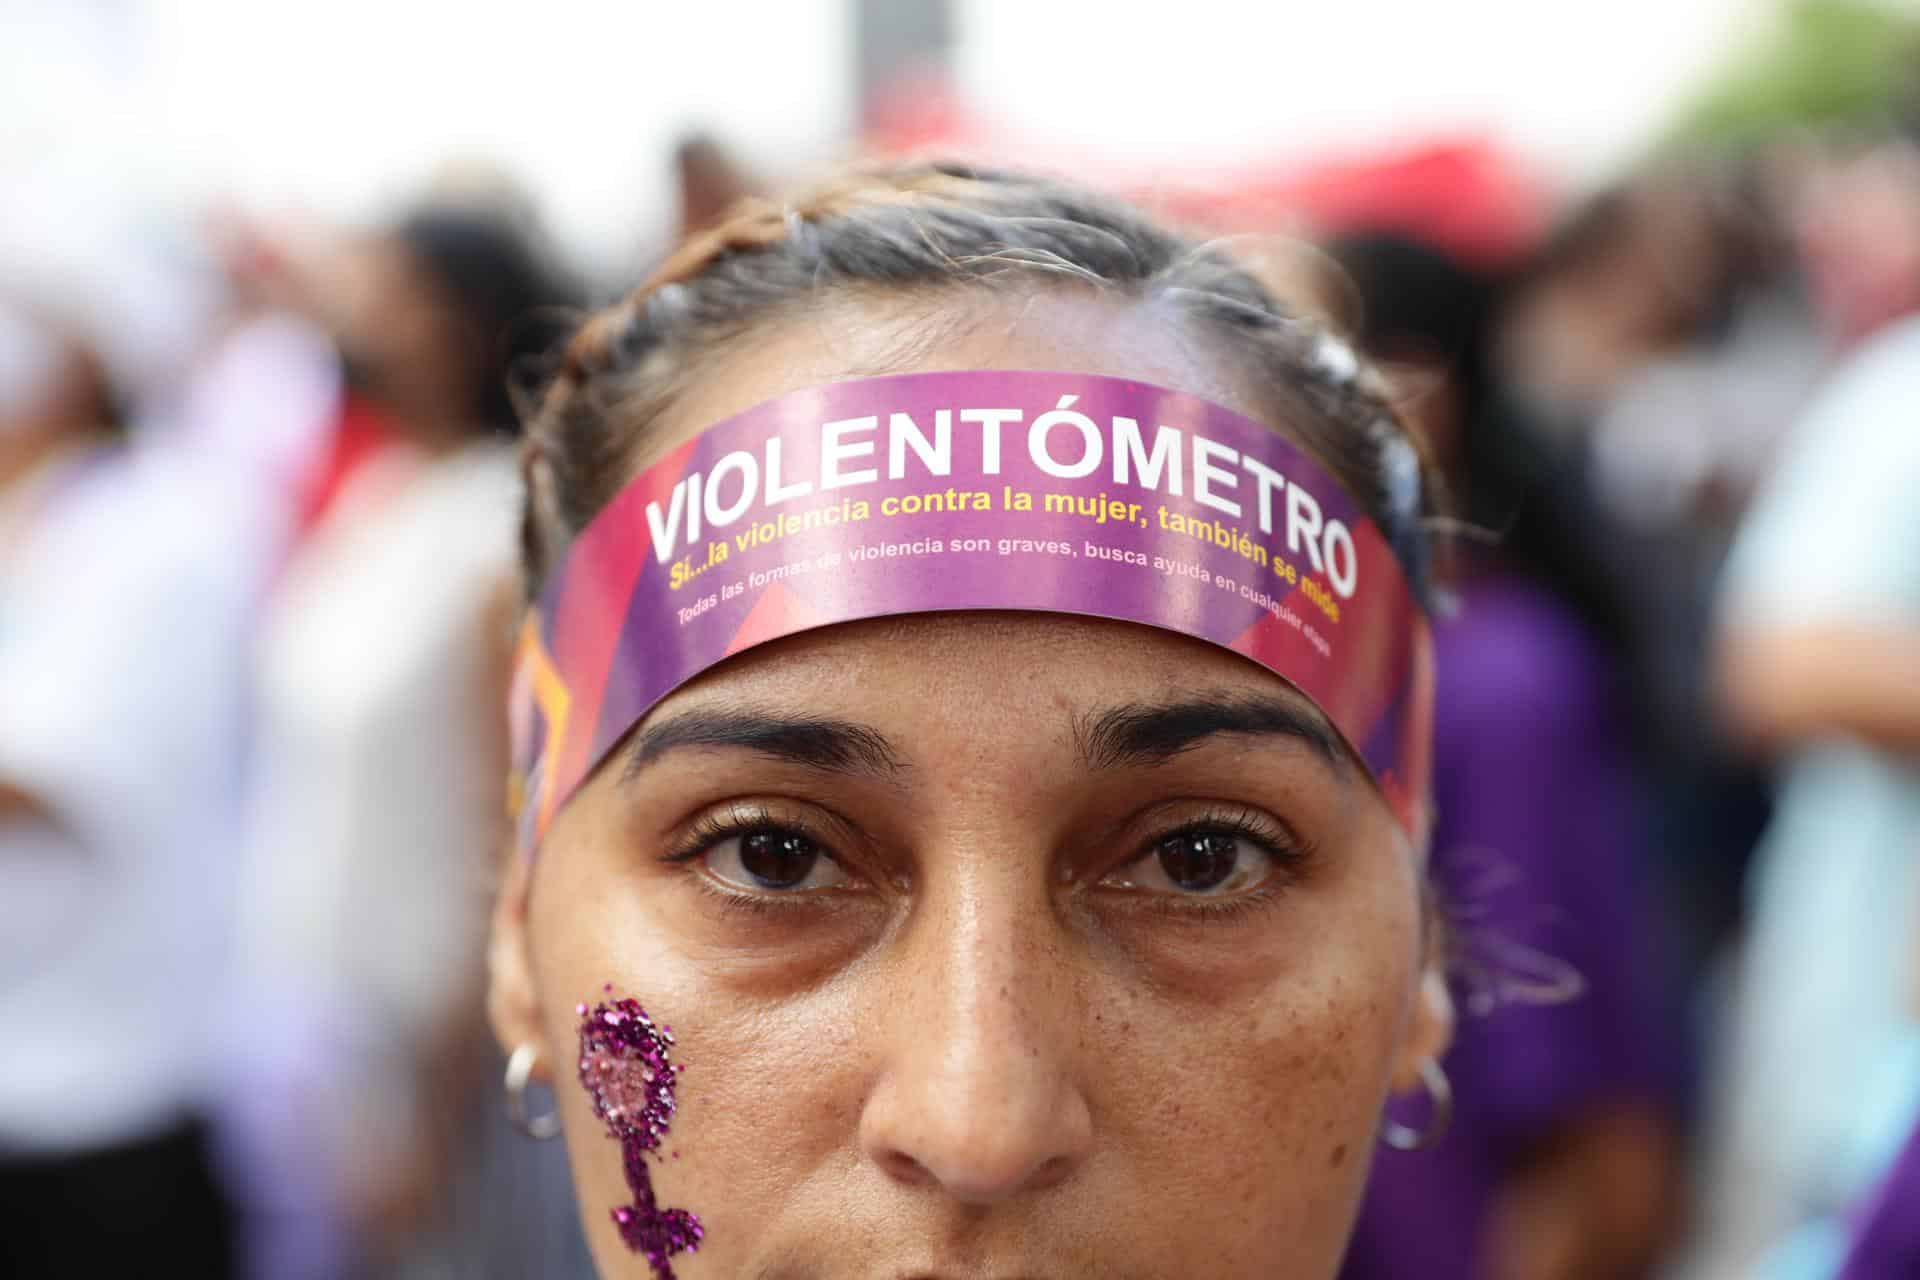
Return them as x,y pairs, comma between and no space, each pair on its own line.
773,860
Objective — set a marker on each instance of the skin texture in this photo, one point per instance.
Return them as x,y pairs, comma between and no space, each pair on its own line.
988,1037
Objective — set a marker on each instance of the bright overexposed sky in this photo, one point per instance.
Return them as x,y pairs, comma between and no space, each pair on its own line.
1218,80
348,107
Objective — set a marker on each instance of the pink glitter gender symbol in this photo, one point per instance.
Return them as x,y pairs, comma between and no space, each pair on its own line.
626,1069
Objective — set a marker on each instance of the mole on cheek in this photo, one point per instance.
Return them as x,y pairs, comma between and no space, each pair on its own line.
627,1071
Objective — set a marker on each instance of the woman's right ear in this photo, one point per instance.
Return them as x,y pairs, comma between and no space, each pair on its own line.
513,999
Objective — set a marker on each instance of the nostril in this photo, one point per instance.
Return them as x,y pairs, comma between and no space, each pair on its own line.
981,1180
902,1167
1051,1174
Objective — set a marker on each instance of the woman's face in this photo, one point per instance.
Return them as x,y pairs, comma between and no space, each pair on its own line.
994,945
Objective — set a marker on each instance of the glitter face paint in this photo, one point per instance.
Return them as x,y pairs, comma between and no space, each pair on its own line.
627,1071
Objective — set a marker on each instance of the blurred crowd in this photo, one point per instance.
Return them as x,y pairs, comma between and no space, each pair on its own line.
258,504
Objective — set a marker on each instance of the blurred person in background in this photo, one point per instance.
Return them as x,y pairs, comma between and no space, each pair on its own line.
1658,345
1818,651
376,819
123,604
709,178
1850,202
1562,1161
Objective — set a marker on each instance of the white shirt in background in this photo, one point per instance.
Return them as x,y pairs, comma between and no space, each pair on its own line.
124,600
378,807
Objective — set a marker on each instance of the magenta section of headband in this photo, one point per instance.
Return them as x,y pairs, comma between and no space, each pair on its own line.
962,491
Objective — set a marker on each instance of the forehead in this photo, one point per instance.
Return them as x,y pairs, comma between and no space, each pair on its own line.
1064,328
931,675
916,674
1058,664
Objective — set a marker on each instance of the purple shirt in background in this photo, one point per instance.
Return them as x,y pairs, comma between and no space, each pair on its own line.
1535,854
1886,1239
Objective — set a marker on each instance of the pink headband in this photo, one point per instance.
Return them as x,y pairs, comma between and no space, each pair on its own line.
1058,492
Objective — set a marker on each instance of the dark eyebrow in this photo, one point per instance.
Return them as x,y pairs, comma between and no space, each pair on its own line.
830,746
1152,733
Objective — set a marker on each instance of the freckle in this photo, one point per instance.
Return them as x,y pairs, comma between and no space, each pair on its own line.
1339,1156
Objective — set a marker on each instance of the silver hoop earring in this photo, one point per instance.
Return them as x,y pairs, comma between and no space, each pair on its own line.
519,1071
1403,1137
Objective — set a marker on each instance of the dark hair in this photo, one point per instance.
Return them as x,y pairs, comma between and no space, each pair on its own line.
491,272
1710,219
933,227
1416,298
1508,480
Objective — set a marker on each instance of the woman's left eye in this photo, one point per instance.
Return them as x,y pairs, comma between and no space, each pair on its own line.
1199,862
773,860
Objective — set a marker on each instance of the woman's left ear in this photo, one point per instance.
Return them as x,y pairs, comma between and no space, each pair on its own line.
513,999
1430,1034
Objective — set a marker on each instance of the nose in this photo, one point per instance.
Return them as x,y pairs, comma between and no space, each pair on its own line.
977,1093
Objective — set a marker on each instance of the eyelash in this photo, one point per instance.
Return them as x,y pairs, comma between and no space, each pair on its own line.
710,829
1291,856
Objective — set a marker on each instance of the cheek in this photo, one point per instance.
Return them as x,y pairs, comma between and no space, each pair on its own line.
627,1071
760,1127
760,1096
1260,1115
1264,1168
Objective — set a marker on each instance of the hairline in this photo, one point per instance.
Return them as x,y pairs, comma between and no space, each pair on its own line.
923,325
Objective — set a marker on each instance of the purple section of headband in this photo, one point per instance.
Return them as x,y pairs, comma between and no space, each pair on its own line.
1362,668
